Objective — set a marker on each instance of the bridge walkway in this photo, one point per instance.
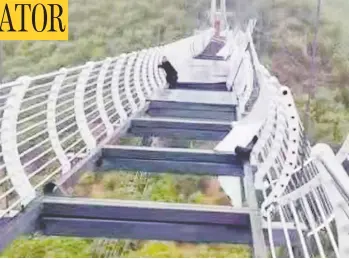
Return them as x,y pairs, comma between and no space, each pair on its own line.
199,114
188,114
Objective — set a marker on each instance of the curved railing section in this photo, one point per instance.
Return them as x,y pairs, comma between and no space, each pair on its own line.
50,122
300,185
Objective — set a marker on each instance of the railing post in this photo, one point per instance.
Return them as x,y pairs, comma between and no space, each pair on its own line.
14,168
259,246
51,121
100,99
146,83
156,69
161,72
115,90
151,70
137,77
80,115
293,146
127,79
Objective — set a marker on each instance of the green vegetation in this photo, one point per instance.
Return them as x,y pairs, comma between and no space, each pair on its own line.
101,29
284,38
155,187
330,115
51,247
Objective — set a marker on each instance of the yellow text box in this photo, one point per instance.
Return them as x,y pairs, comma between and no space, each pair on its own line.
34,20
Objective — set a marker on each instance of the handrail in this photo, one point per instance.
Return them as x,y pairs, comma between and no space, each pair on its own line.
50,122
302,193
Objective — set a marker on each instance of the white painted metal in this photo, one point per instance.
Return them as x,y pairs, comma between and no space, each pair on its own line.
80,115
100,99
138,77
156,73
51,121
11,155
152,63
129,83
285,183
115,89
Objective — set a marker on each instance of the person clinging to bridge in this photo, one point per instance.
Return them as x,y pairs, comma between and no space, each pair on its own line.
171,73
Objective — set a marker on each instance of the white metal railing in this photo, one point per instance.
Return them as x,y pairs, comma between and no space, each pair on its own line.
300,185
50,122
241,78
296,187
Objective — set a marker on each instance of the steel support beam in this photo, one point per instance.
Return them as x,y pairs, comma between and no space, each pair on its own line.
259,244
188,129
82,217
207,105
111,209
145,220
170,160
23,224
203,86
192,110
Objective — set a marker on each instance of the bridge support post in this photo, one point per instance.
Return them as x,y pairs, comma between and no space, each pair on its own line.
259,246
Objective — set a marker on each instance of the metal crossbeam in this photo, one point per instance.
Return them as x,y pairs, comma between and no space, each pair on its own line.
192,111
207,105
174,160
147,221
202,86
184,129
